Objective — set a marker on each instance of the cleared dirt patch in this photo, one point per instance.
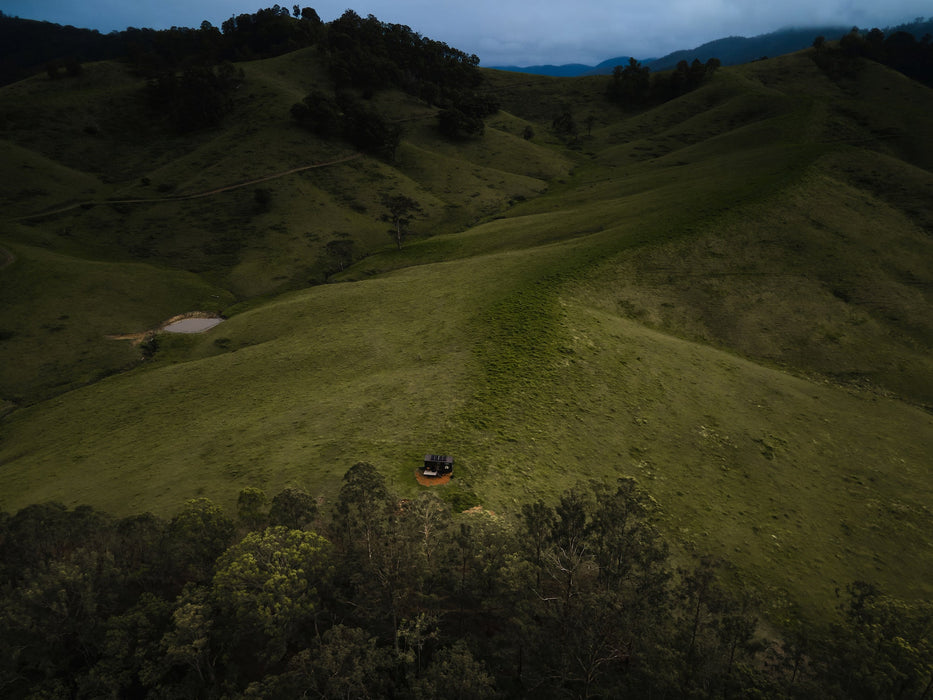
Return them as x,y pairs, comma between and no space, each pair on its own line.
432,480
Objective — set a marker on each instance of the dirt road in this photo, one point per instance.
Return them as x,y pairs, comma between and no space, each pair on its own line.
183,197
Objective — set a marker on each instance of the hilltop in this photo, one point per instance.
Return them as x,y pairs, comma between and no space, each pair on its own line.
724,295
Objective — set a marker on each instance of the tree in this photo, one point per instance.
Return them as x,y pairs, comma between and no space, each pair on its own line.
344,662
455,124
883,647
251,508
319,113
196,537
564,124
369,131
269,586
187,643
538,521
630,83
401,210
197,99
341,251
455,674
293,508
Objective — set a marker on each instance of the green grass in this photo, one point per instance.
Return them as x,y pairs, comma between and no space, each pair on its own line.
724,296
58,310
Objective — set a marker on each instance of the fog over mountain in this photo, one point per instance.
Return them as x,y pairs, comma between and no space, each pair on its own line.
515,32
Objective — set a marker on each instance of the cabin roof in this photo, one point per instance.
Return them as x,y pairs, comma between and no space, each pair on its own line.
443,459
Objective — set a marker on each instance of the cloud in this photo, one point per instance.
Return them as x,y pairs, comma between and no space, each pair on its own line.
516,31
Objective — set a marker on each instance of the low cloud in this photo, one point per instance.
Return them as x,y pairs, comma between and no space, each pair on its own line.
518,32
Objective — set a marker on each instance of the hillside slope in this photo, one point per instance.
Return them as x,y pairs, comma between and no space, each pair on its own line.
726,296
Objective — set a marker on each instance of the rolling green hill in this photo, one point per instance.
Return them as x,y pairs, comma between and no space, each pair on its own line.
727,296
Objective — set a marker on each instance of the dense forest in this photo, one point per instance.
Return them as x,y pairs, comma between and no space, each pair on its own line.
361,51
373,596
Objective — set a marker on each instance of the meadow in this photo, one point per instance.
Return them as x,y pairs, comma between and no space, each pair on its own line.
726,296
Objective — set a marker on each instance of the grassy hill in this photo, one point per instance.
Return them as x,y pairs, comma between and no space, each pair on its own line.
727,296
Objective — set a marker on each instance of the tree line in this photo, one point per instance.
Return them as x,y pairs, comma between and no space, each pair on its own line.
900,50
364,56
634,84
377,596
190,80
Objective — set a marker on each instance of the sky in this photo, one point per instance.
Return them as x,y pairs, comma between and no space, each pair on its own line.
514,32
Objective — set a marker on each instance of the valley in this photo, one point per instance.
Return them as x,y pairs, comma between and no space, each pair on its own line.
726,296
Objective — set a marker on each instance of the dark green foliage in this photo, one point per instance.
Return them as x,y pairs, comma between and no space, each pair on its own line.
369,131
899,50
196,537
197,99
29,47
464,118
294,509
633,84
341,251
882,648
318,112
350,119
630,83
454,124
564,125
269,32
400,210
251,507
370,55
404,599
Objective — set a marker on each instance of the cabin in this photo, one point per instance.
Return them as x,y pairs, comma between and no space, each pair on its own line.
438,465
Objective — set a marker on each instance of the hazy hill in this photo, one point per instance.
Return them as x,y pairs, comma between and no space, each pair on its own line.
734,50
726,296
730,50
567,70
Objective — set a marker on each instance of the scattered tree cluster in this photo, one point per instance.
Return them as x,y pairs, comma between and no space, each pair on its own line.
196,99
633,83
899,50
380,597
350,118
267,32
464,116
364,56
370,55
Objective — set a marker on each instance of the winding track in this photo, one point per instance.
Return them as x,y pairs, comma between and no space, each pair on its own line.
183,197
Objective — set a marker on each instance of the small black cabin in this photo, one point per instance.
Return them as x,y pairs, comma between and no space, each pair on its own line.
438,465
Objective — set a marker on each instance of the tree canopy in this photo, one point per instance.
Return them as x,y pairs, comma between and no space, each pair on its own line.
377,596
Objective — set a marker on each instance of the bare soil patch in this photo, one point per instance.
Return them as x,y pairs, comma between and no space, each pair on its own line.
432,480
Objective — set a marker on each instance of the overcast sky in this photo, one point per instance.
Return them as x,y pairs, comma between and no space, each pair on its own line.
515,32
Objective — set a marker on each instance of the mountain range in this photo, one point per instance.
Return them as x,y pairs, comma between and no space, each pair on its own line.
733,50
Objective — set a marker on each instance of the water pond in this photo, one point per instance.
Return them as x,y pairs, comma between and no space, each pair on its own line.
192,325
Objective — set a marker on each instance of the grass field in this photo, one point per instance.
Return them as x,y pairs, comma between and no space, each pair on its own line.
727,296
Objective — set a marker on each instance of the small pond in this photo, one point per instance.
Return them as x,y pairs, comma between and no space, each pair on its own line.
192,325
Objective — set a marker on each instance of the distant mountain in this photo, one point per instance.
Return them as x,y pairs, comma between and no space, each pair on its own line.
568,70
734,50
731,51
